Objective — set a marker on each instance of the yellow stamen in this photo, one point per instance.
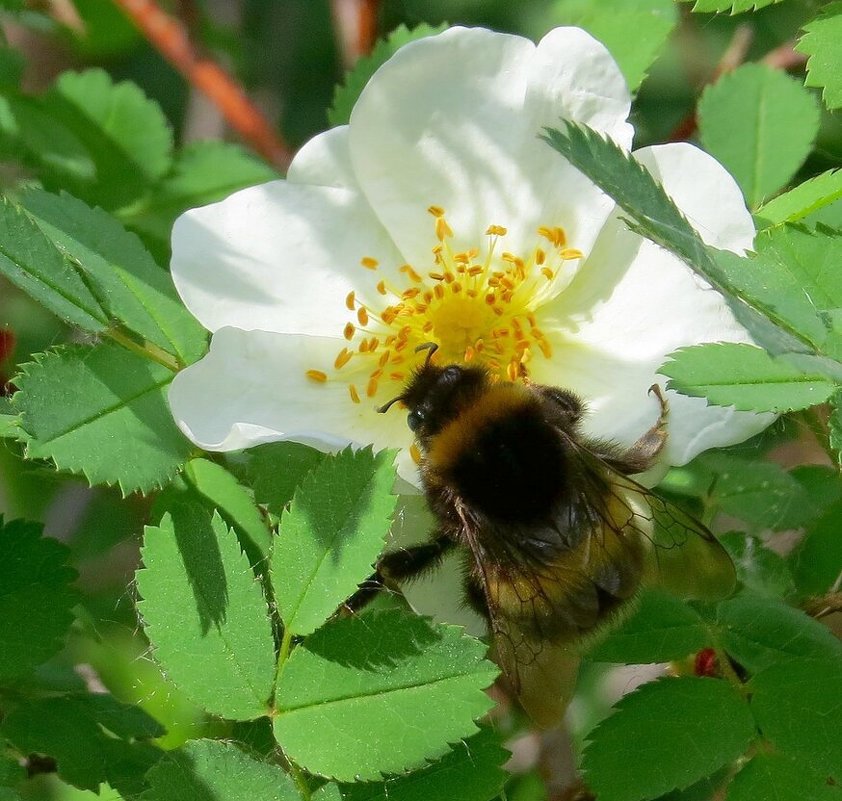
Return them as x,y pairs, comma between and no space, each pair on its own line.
342,359
348,333
317,375
352,391
350,300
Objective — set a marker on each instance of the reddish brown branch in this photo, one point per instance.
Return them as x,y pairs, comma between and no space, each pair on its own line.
168,36
356,27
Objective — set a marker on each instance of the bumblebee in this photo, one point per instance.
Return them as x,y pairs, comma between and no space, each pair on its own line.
556,538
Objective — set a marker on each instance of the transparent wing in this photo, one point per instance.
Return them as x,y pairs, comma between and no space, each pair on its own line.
683,556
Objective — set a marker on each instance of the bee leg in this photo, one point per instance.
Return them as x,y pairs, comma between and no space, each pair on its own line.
643,454
398,566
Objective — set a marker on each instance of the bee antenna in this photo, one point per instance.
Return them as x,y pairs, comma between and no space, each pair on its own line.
430,347
386,406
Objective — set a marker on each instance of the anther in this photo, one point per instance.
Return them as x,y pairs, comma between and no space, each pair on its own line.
342,359
317,375
350,300
348,333
369,263
352,391
362,316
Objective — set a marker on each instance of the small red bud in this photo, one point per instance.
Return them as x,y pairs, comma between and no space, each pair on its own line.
706,663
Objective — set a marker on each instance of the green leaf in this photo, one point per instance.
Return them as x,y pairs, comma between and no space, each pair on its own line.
71,730
218,649
33,136
125,133
760,124
236,506
11,771
102,412
834,424
209,770
10,427
776,776
759,632
35,597
652,214
129,286
816,561
369,681
798,707
276,469
610,21
793,279
803,200
821,43
31,262
731,6
472,771
744,376
666,735
759,569
761,493
661,629
345,95
331,535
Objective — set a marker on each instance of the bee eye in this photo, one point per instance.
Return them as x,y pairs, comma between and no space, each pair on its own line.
415,419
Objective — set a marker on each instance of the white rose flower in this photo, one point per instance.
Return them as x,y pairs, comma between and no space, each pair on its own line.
437,215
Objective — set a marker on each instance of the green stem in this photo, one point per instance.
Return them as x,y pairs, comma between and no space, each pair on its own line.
300,781
283,653
148,350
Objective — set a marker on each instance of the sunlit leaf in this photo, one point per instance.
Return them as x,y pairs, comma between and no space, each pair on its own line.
821,43
218,648
331,535
392,690
101,412
207,770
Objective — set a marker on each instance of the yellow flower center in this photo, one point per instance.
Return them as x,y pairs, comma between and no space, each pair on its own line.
477,306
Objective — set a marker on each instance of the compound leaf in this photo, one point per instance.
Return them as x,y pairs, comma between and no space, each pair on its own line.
218,648
393,690
331,535
208,770
102,412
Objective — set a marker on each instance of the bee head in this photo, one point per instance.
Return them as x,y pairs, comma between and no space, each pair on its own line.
435,395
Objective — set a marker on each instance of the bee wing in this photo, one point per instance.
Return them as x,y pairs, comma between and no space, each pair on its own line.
684,557
541,673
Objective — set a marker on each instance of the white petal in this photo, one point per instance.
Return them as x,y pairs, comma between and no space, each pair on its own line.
630,305
278,257
252,388
705,191
324,161
453,120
